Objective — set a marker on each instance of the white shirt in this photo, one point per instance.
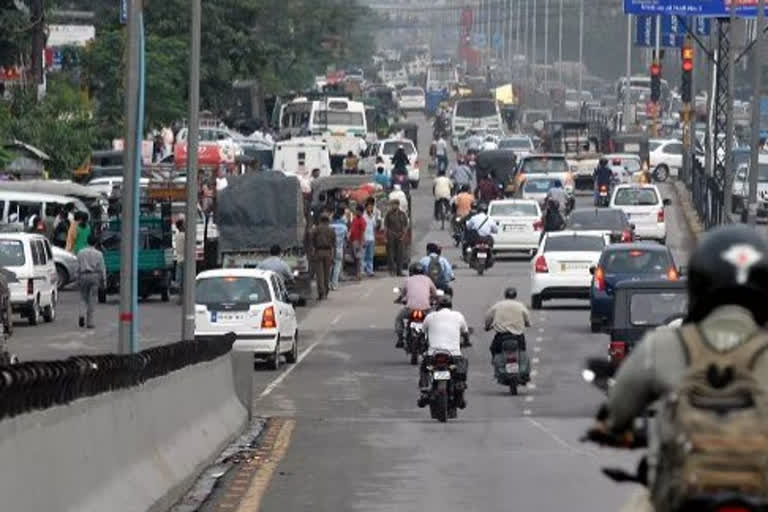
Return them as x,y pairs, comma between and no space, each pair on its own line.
484,228
401,198
443,329
442,147
443,187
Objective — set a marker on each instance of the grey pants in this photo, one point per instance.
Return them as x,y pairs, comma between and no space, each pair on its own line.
89,286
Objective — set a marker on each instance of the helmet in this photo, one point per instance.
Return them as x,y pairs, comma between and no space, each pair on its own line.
433,248
510,293
730,266
444,301
415,269
465,189
603,161
482,206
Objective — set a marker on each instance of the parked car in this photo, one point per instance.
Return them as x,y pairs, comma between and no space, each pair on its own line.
644,207
520,225
29,256
254,305
622,262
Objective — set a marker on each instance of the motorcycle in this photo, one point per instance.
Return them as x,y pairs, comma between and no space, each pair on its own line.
415,342
458,230
442,386
508,364
480,257
603,196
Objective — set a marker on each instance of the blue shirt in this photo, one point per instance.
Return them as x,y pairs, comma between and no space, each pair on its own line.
446,275
382,179
341,229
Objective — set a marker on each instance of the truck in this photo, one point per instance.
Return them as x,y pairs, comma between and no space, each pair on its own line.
258,210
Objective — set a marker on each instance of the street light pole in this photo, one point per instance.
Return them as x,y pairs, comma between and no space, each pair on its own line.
581,46
546,40
560,44
188,308
627,87
534,42
755,142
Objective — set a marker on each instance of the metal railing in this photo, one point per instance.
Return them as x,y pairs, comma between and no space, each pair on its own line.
39,385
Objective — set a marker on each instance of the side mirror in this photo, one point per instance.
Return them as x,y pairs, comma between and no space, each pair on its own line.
667,202
592,269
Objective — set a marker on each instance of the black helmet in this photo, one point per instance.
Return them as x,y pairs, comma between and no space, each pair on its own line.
433,248
444,301
510,293
415,269
465,188
603,161
729,266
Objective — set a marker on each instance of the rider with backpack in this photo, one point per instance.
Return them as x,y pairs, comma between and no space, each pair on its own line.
710,434
437,268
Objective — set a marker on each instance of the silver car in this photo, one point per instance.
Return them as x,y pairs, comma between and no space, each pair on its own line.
66,266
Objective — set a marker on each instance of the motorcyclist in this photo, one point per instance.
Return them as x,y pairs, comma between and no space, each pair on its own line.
603,176
462,175
400,160
727,286
431,261
418,293
508,318
557,193
487,189
553,219
442,189
481,228
444,330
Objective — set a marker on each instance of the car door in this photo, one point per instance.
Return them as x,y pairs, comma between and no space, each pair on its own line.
673,154
43,274
53,276
281,305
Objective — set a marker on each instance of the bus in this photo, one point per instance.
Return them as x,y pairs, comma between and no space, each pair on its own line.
474,114
294,117
441,75
341,123
640,89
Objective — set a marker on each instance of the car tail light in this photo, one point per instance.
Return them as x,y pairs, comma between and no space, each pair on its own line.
268,318
30,287
442,360
511,357
660,216
417,315
538,225
617,350
599,279
672,274
626,236
541,265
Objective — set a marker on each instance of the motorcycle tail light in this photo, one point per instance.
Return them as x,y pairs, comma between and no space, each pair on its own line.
268,318
541,265
603,188
538,225
599,279
732,508
442,360
511,357
417,315
672,274
660,216
617,350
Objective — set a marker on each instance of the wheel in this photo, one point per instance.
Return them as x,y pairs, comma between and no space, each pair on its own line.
34,314
62,276
661,173
513,388
49,312
102,296
480,270
440,403
536,301
595,326
414,358
293,356
274,359
165,294
414,185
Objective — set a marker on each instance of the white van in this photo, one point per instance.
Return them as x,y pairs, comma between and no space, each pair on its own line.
34,292
300,155
18,207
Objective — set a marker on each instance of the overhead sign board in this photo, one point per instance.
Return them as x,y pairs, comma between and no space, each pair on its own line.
672,31
707,8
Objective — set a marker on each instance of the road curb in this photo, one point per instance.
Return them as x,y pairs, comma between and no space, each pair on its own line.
695,226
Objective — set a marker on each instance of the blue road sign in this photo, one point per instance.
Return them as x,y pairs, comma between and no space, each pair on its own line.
702,26
708,8
497,40
672,31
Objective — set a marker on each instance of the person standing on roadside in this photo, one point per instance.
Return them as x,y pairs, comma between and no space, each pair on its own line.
369,240
179,241
339,226
396,226
91,275
356,239
323,241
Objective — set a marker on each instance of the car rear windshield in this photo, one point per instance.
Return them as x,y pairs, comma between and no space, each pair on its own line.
389,148
636,261
534,186
636,197
411,92
654,308
515,144
575,243
476,108
11,253
513,210
540,165
609,220
219,291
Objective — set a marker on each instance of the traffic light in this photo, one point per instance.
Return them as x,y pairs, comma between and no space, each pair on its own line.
686,54
655,81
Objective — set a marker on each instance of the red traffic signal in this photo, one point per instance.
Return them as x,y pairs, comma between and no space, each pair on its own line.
655,69
687,65
687,57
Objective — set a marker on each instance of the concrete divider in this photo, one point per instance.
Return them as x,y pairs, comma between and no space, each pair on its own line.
133,449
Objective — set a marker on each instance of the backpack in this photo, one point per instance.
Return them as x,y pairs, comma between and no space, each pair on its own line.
435,269
713,430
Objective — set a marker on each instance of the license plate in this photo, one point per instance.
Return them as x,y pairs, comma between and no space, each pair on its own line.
223,317
416,326
603,194
513,227
445,375
482,255
512,367
573,266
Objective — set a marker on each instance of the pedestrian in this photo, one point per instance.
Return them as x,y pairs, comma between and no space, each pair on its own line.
350,163
180,241
396,227
78,233
91,276
356,239
341,230
323,241
369,241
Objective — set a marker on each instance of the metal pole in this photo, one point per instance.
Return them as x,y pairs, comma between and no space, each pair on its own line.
560,44
627,86
131,153
657,59
581,45
546,39
488,37
517,26
729,170
526,32
754,147
509,34
534,42
188,309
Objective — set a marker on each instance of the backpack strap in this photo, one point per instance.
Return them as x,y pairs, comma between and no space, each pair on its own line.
747,354
693,344
697,351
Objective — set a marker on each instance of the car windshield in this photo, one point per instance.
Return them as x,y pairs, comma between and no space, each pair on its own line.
653,146
655,307
636,197
476,108
411,92
515,144
389,148
630,164
339,118
601,219
574,243
636,261
11,253
536,186
513,210
217,291
540,165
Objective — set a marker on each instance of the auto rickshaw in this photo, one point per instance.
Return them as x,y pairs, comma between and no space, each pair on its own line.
502,165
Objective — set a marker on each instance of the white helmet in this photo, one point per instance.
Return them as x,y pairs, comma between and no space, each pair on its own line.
397,186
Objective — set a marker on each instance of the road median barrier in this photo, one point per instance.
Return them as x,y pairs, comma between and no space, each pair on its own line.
118,432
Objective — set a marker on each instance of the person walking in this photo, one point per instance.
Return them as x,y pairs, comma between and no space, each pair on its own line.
323,241
91,275
339,226
396,226
179,241
369,240
79,231
357,238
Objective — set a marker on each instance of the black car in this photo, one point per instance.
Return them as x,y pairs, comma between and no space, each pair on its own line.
609,220
641,306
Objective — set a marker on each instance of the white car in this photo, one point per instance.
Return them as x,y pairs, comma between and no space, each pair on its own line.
536,187
412,98
34,292
741,187
519,222
522,145
546,165
254,305
624,166
666,157
560,268
644,207
385,149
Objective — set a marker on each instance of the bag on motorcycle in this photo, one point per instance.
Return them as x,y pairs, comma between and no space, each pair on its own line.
435,270
713,431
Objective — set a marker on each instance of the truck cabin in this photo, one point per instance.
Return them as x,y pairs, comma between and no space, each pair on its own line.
571,138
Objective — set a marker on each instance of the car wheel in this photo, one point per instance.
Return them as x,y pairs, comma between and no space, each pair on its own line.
49,312
34,314
274,360
536,301
62,276
293,356
414,185
661,173
595,326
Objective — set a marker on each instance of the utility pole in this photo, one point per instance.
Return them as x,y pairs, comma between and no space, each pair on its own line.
188,308
728,170
534,42
755,143
627,86
581,46
526,33
546,40
37,12
517,26
560,44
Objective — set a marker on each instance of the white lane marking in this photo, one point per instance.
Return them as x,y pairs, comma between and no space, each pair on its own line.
539,339
527,412
529,399
372,326
368,292
336,319
535,360
280,378
541,329
534,373
531,385
559,440
537,349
